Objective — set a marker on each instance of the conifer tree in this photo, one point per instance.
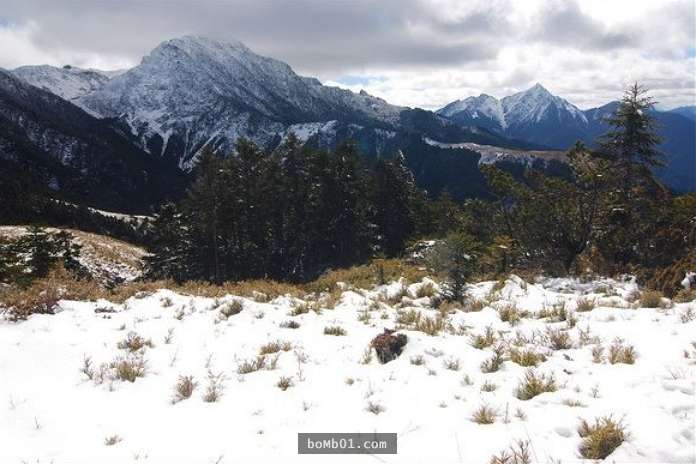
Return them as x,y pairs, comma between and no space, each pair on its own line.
393,201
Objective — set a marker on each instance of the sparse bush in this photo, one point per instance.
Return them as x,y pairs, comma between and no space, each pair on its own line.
112,440
526,357
134,342
495,362
213,391
475,305
484,415
184,388
251,365
129,368
651,299
484,341
535,384
517,454
509,313
452,364
427,289
232,308
430,325
418,360
388,345
585,305
334,330
488,386
687,315
87,368
375,408
558,339
597,354
620,353
284,383
274,347
600,439
573,403
290,324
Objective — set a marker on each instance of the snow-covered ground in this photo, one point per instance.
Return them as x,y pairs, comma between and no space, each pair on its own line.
52,413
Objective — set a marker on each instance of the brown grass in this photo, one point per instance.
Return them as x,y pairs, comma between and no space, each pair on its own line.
526,357
184,388
484,415
651,299
600,439
535,384
366,276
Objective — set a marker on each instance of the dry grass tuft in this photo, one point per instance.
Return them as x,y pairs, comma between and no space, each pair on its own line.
651,299
584,305
134,342
535,384
130,368
600,439
488,338
213,391
112,440
526,357
558,339
251,365
484,415
517,454
290,324
284,383
494,363
230,309
184,388
275,347
334,330
620,353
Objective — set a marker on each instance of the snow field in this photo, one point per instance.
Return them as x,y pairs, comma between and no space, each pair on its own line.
52,412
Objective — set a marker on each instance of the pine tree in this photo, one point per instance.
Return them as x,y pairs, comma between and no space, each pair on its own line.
204,202
393,201
631,148
170,246
632,139
457,256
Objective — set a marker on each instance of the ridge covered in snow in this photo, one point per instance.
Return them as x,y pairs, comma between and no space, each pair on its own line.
68,82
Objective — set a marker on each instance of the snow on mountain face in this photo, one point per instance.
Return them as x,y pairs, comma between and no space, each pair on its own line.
68,82
534,115
194,91
537,104
483,106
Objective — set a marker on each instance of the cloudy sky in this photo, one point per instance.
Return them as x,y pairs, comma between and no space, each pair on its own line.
411,52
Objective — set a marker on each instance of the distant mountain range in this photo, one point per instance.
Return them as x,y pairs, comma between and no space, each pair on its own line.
539,117
126,139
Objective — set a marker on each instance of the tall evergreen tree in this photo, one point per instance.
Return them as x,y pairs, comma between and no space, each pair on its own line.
393,200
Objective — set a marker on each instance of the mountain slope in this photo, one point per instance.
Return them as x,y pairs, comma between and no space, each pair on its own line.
686,111
56,144
67,82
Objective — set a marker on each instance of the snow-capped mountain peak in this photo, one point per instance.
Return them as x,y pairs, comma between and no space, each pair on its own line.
536,104
192,91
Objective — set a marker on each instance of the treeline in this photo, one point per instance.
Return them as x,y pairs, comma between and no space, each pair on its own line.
26,201
610,217
289,215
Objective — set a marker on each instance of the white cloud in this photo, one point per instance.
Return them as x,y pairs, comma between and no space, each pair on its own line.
422,53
